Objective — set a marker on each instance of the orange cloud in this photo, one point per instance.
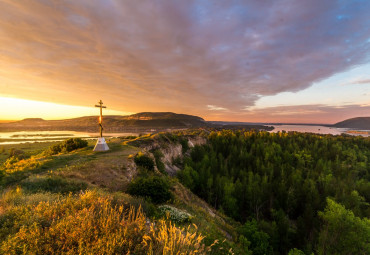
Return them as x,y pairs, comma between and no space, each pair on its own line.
166,56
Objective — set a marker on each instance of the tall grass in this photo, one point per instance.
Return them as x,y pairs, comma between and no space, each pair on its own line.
88,223
166,238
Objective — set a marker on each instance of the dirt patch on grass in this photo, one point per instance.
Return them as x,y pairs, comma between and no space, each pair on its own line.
112,170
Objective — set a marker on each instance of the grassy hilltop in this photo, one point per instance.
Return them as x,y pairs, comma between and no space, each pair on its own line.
59,201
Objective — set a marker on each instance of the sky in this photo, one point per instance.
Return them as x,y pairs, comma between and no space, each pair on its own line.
253,61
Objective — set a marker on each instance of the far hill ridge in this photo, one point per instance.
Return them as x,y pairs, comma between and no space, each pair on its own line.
139,122
144,122
362,123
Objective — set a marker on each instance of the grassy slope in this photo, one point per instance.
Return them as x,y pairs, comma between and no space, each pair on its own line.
109,172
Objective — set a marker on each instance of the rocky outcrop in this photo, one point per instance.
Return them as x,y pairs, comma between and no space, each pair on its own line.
172,150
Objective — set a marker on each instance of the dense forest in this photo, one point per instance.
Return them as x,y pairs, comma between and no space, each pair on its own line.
294,192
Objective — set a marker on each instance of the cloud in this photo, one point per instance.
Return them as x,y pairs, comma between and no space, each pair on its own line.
319,113
359,81
179,56
216,108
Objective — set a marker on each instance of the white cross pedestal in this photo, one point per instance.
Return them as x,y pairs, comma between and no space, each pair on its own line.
101,145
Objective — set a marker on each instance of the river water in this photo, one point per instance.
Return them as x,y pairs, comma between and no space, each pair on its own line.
316,129
50,136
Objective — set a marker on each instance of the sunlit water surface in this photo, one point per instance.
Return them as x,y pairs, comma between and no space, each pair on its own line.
316,130
50,136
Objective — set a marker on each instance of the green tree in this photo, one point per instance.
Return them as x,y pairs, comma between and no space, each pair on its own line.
343,232
154,187
189,177
259,240
144,161
295,252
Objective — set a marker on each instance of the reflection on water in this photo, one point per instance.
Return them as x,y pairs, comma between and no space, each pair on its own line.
50,136
315,129
309,129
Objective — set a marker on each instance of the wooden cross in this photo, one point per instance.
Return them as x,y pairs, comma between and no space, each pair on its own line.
101,116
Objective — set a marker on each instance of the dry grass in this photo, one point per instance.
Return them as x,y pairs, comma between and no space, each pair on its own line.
94,222
112,170
23,165
115,177
88,224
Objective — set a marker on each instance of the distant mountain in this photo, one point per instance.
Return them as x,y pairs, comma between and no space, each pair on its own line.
31,121
140,122
135,123
362,123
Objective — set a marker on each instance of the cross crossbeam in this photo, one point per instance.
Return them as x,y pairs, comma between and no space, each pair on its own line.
100,105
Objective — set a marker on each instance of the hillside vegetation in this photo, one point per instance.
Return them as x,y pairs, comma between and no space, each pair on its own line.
188,192
75,201
290,190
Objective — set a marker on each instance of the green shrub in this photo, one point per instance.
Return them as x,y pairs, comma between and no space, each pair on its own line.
177,161
184,144
17,154
172,137
158,155
129,137
295,251
154,187
67,146
258,240
144,161
2,174
176,215
55,149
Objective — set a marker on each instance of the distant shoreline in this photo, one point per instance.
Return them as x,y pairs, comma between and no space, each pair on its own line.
360,132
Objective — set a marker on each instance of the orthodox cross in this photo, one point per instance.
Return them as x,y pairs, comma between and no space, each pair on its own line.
101,116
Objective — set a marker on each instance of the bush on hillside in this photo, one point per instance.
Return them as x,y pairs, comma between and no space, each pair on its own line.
16,154
154,187
176,215
144,161
158,155
185,144
2,174
67,146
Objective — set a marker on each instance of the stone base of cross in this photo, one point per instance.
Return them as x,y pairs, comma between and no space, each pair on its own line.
101,145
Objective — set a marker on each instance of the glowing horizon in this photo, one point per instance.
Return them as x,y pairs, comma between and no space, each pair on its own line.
23,109
17,109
